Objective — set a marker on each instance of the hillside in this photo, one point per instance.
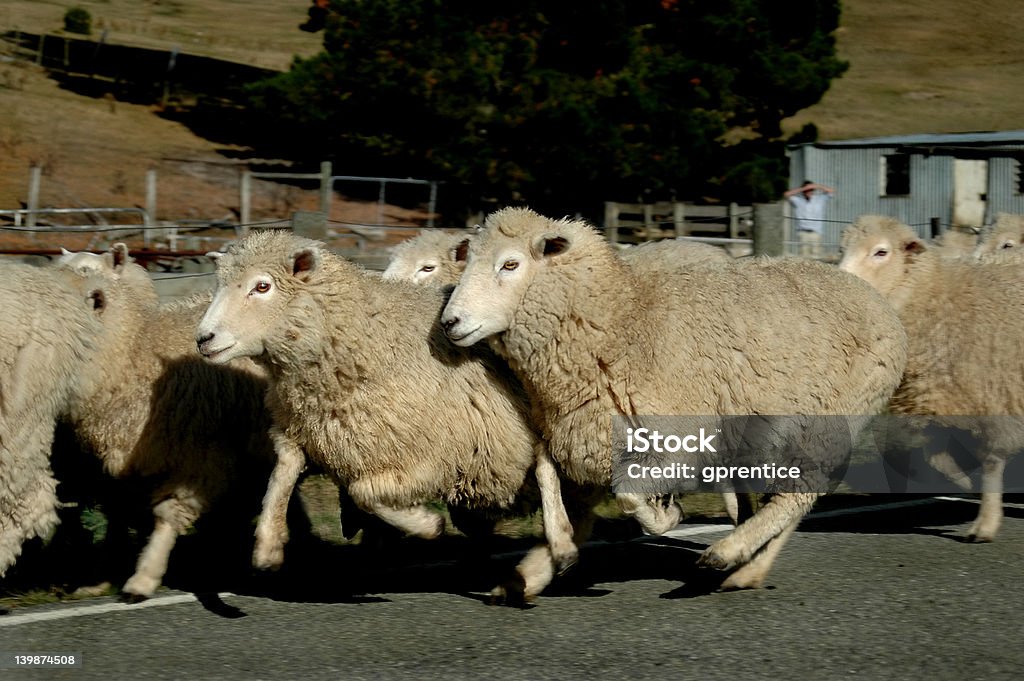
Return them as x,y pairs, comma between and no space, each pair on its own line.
924,66
915,66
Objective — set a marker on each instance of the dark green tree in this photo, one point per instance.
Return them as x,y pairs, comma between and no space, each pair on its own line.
559,103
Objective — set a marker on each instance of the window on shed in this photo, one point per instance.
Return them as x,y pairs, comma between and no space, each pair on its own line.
895,175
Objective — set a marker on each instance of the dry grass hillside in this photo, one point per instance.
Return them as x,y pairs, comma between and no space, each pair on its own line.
915,66
925,66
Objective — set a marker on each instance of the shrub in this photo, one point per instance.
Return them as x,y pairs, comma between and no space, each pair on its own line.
78,20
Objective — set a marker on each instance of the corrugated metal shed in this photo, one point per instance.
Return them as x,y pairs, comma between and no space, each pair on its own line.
856,169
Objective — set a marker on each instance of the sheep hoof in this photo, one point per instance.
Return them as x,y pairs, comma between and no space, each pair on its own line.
512,593
268,559
138,589
713,560
565,561
132,598
978,538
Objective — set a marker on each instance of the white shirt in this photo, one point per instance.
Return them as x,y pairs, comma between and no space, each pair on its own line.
809,212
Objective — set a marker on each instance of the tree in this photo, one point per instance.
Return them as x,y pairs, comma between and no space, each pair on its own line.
559,103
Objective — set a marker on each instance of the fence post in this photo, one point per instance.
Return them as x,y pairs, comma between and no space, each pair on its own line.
611,221
769,234
42,43
34,174
679,217
326,187
150,203
244,202
432,203
936,227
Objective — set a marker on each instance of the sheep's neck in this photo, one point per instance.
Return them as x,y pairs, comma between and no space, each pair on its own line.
579,352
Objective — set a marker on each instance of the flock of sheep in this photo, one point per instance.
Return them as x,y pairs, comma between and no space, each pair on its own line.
484,370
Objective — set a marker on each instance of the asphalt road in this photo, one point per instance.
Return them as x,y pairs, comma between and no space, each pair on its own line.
884,594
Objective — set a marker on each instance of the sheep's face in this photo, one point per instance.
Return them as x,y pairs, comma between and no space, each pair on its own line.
250,304
424,270
501,264
431,259
880,253
1006,234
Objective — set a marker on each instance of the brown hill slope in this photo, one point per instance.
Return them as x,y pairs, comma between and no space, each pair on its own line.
916,66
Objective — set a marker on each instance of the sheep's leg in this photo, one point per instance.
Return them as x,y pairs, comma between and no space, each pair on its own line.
172,517
557,528
272,526
944,463
415,521
537,569
654,516
990,515
752,575
775,521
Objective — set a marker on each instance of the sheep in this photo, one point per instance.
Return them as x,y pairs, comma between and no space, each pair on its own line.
152,410
963,319
590,338
955,243
1007,233
364,383
51,320
670,254
429,258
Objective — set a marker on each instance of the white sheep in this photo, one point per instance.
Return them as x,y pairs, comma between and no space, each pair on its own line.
591,338
957,243
153,411
428,258
49,325
1007,233
364,383
963,320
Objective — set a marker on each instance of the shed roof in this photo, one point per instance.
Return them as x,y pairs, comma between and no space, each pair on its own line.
961,139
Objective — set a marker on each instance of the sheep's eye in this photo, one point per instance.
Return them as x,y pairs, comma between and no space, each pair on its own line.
880,253
1007,244
510,265
427,268
261,287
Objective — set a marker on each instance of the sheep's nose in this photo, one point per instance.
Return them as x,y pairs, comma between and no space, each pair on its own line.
449,322
202,340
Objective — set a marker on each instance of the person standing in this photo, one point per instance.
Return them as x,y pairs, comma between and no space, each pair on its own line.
808,201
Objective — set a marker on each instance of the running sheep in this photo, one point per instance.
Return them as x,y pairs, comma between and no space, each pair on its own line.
591,338
157,415
364,383
963,320
51,320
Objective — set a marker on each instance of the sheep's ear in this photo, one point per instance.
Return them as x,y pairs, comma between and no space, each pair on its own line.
215,255
551,245
913,248
461,251
120,254
64,251
98,299
305,262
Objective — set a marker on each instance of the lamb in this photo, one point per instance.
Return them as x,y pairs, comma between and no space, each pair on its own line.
364,383
963,357
50,322
590,338
429,258
153,411
1007,233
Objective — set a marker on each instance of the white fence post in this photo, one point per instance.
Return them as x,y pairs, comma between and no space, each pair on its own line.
150,202
326,188
34,174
